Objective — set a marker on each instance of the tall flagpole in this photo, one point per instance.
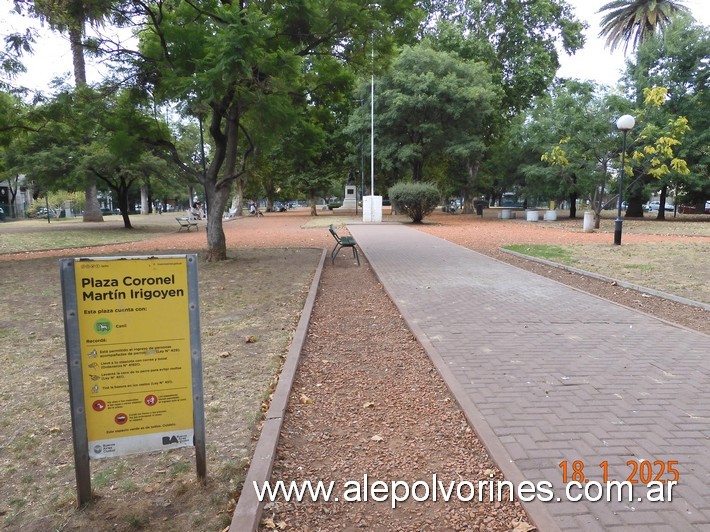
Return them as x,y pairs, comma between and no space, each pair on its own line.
372,135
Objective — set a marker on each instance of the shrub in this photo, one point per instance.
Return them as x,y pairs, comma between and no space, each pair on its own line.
416,200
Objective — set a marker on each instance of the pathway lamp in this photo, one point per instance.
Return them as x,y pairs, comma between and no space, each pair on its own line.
625,124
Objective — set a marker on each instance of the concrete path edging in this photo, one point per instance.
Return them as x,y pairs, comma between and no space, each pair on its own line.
247,514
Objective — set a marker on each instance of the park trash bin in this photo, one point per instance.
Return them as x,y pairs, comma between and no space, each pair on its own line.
588,222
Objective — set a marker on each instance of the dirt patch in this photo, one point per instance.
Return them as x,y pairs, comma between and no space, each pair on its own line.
683,268
260,294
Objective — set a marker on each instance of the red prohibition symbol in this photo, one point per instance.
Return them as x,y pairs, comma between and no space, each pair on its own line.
99,405
120,419
151,400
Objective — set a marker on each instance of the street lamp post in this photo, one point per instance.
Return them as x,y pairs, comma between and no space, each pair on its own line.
625,124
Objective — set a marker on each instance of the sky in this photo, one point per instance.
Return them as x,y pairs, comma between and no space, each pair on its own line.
53,58
594,62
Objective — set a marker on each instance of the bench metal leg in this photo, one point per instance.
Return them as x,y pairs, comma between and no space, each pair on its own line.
337,249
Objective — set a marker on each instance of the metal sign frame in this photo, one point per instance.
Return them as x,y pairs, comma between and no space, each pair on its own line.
72,323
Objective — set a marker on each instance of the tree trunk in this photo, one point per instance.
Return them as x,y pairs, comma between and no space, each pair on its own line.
92,209
217,190
312,202
573,205
76,33
417,172
144,200
216,242
470,188
238,200
662,206
123,206
635,200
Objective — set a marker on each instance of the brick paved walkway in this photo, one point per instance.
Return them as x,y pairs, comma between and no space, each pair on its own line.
547,374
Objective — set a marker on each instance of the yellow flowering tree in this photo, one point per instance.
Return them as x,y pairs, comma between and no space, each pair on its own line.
655,157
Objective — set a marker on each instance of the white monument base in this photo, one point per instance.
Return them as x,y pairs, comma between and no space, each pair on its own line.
372,209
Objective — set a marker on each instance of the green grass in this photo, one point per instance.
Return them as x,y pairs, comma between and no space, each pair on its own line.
37,241
180,469
640,267
544,251
108,475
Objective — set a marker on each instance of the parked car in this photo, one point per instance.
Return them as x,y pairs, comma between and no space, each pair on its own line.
42,213
655,205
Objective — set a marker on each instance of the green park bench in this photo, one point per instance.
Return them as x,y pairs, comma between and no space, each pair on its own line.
343,242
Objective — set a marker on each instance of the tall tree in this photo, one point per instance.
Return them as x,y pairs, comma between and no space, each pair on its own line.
519,41
229,56
574,130
71,16
656,159
677,60
633,21
433,104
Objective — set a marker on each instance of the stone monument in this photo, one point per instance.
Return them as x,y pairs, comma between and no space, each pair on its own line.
349,201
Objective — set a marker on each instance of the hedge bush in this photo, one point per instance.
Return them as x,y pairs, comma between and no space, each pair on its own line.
416,200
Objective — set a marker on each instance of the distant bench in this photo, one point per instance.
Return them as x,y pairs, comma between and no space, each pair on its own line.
186,223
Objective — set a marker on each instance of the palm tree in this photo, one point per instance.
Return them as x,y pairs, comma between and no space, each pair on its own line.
627,20
71,16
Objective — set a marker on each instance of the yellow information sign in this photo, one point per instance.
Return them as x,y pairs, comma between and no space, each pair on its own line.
134,335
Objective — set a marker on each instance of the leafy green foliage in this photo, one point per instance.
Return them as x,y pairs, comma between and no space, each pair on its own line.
572,133
677,60
416,200
516,38
432,104
258,73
